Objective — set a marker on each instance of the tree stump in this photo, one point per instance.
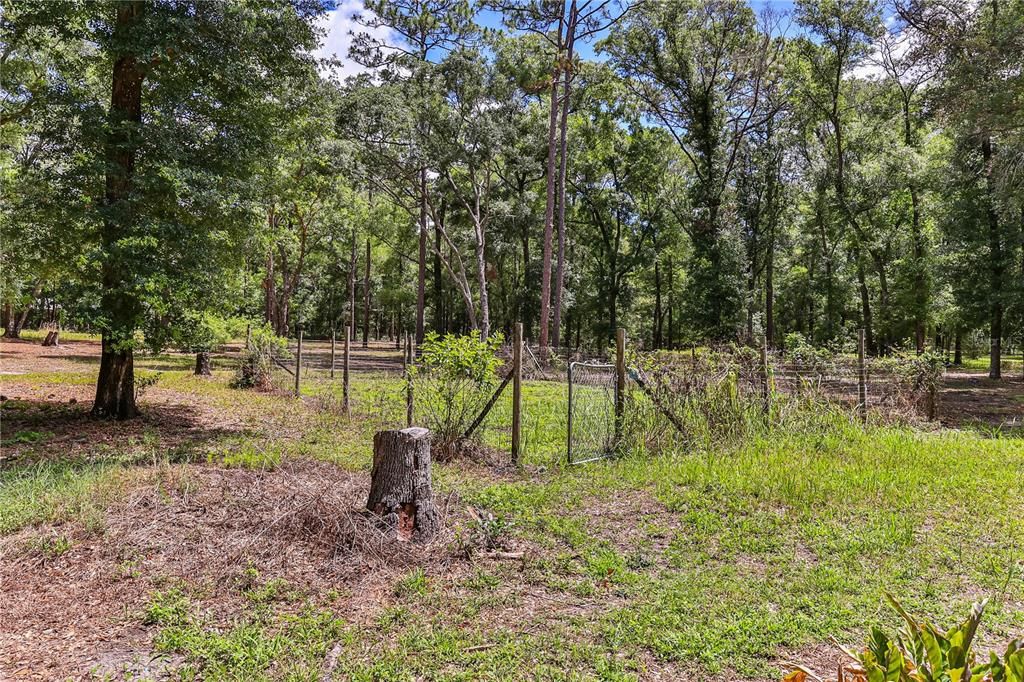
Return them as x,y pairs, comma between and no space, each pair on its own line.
401,493
203,364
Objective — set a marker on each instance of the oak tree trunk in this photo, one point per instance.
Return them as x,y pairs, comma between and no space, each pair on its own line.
401,493
115,394
115,390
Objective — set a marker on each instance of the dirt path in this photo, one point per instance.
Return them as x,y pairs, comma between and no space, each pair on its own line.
973,401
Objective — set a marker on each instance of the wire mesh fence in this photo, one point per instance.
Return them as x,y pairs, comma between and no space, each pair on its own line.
591,411
672,401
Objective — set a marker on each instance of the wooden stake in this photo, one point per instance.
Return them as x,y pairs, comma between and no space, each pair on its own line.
407,363
620,382
344,370
517,389
298,365
333,334
766,390
862,379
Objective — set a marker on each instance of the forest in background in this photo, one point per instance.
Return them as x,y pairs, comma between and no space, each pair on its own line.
711,174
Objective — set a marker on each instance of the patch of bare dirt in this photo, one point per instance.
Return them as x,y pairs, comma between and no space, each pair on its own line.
969,400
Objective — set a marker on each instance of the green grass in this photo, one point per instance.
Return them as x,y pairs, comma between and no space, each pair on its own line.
38,335
1011,365
713,558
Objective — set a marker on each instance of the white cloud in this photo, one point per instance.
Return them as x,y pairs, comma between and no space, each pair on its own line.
339,26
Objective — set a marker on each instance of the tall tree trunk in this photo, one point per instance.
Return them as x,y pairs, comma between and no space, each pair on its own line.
481,273
563,160
269,292
115,387
549,207
917,239
350,323
995,268
865,305
958,353
16,321
439,325
671,305
769,288
656,330
366,297
421,275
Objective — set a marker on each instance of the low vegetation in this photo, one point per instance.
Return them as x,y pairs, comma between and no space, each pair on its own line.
724,556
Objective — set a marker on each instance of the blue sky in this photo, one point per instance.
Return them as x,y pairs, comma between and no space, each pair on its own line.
337,24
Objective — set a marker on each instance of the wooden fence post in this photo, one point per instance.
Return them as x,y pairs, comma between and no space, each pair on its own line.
333,335
298,365
517,389
407,364
620,382
862,379
766,388
344,370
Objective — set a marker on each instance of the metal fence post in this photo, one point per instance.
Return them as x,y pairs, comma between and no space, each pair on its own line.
568,422
620,382
517,389
862,379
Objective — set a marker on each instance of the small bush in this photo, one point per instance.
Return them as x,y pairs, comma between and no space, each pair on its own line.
254,371
452,382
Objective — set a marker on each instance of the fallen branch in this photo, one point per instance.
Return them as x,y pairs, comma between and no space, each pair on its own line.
487,408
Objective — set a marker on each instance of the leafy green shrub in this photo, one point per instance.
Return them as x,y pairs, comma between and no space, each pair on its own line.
254,371
452,382
920,652
915,380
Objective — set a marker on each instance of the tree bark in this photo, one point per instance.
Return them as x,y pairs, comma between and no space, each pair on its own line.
439,326
549,207
656,331
115,387
769,288
421,276
16,321
401,492
995,268
481,273
366,297
203,364
563,147
350,324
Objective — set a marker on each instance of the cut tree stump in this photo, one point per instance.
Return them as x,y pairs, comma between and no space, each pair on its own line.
203,364
401,493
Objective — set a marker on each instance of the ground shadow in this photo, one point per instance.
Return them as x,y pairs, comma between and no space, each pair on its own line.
988,406
37,430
